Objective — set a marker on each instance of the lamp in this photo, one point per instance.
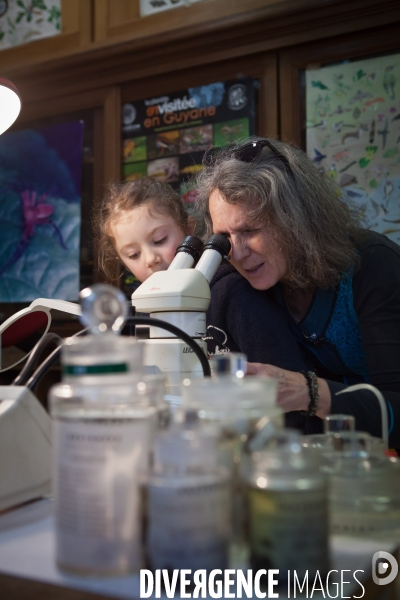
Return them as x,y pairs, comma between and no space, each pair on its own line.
10,104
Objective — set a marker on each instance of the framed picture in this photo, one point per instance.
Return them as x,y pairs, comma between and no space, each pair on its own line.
40,212
353,133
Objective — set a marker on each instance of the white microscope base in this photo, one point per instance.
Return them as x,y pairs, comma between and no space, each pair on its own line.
175,359
25,447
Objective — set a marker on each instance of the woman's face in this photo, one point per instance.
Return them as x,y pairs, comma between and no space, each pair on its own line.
255,253
146,240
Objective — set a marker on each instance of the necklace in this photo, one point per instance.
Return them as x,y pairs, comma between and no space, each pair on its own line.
297,321
302,301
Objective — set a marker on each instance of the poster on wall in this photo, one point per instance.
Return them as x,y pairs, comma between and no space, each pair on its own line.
40,212
150,7
166,136
23,21
353,132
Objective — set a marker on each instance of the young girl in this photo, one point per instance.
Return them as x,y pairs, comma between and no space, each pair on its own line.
142,222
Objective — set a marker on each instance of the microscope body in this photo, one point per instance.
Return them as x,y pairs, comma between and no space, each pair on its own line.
180,297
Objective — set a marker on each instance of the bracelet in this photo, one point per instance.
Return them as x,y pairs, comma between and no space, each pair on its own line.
312,384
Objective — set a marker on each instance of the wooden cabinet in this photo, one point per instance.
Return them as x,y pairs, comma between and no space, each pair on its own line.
117,20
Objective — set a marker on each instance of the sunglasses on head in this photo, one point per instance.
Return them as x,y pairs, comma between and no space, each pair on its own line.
248,153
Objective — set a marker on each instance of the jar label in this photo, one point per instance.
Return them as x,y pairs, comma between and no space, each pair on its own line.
97,492
361,522
289,529
189,526
104,369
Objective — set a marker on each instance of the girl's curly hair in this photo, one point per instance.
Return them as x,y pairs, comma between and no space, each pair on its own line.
123,197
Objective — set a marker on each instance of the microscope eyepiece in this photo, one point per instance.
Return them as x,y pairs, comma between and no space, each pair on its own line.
218,242
191,245
216,248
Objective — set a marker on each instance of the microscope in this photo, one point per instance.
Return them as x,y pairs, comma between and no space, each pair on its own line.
180,296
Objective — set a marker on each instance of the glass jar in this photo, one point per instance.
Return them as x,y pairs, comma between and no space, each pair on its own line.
232,407
102,356
188,506
364,492
337,423
238,411
288,509
99,359
102,439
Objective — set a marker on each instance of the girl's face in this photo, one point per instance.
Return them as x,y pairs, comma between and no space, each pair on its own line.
146,240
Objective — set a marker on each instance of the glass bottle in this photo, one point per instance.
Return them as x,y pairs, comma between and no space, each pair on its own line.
102,356
364,492
188,505
239,411
232,407
288,509
339,423
102,441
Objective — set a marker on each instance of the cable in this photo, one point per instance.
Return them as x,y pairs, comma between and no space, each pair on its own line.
51,359
37,350
180,334
48,363
382,404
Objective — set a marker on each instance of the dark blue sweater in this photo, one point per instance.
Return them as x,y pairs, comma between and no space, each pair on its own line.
243,319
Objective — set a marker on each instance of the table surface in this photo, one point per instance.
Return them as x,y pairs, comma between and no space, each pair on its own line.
27,552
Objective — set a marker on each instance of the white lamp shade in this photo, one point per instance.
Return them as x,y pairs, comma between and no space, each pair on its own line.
10,104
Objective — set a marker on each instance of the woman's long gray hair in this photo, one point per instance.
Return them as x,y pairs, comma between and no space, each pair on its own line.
315,227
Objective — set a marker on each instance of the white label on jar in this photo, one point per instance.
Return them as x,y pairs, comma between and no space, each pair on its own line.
289,529
97,492
189,525
363,522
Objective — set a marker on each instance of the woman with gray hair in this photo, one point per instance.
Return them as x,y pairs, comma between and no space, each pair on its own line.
292,233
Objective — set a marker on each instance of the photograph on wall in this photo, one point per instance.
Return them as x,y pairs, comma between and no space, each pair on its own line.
40,212
23,21
353,132
134,150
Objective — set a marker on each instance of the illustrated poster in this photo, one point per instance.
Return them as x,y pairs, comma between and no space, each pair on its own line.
23,21
150,7
40,213
165,137
353,132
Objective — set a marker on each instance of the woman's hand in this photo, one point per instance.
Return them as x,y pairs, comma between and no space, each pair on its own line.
292,389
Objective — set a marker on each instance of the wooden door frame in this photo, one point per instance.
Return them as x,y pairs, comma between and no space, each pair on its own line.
109,100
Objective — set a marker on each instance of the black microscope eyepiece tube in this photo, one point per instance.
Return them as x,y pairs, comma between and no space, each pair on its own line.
216,248
187,253
218,242
191,245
